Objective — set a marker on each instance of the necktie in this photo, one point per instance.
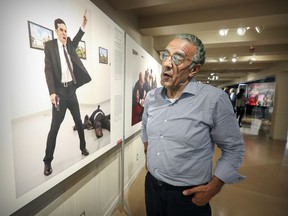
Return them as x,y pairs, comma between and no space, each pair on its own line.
69,65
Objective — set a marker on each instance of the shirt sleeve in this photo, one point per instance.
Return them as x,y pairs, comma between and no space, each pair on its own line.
143,134
227,136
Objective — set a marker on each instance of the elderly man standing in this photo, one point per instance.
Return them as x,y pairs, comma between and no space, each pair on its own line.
181,123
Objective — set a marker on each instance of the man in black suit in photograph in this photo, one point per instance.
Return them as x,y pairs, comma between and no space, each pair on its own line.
64,73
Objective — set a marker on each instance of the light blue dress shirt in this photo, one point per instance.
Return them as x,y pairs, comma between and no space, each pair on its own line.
181,136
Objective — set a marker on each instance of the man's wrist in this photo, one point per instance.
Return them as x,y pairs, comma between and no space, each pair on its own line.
217,184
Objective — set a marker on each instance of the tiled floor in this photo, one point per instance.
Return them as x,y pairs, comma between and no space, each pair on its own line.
263,193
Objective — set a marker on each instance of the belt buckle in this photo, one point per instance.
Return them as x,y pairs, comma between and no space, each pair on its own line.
65,84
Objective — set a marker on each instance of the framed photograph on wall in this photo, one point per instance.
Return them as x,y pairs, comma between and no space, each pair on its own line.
81,50
103,55
38,35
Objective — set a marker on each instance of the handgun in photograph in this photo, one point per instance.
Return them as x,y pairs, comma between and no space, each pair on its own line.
57,99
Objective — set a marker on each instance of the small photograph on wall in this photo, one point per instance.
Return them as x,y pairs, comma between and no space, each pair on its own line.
103,55
146,81
81,50
38,35
143,75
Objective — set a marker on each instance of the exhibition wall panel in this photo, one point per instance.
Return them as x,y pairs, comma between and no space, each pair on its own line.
26,112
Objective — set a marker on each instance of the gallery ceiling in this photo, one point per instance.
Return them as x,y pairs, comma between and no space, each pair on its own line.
254,52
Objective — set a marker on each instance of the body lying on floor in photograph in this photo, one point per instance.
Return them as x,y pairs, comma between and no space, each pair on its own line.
97,121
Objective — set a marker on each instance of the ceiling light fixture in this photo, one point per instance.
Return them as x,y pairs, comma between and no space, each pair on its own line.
222,59
252,49
241,31
234,59
213,76
223,32
259,29
253,58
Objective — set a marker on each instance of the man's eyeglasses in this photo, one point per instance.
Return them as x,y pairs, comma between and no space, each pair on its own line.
177,59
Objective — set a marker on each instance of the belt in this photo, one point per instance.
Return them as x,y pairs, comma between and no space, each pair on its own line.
165,185
66,84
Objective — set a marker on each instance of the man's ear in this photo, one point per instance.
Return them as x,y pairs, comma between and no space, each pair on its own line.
194,70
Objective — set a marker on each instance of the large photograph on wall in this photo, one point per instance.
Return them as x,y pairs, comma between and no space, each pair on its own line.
28,110
261,94
143,74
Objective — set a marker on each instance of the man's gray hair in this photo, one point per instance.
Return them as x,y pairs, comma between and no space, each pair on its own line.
199,57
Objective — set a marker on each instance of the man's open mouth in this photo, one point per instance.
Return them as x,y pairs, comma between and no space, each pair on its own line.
167,75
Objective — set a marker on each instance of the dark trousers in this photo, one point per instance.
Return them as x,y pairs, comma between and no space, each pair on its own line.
68,99
240,111
166,200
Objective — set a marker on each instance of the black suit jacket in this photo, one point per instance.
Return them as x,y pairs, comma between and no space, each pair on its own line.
53,65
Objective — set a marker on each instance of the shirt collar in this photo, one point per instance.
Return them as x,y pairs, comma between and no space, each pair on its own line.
191,88
59,43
